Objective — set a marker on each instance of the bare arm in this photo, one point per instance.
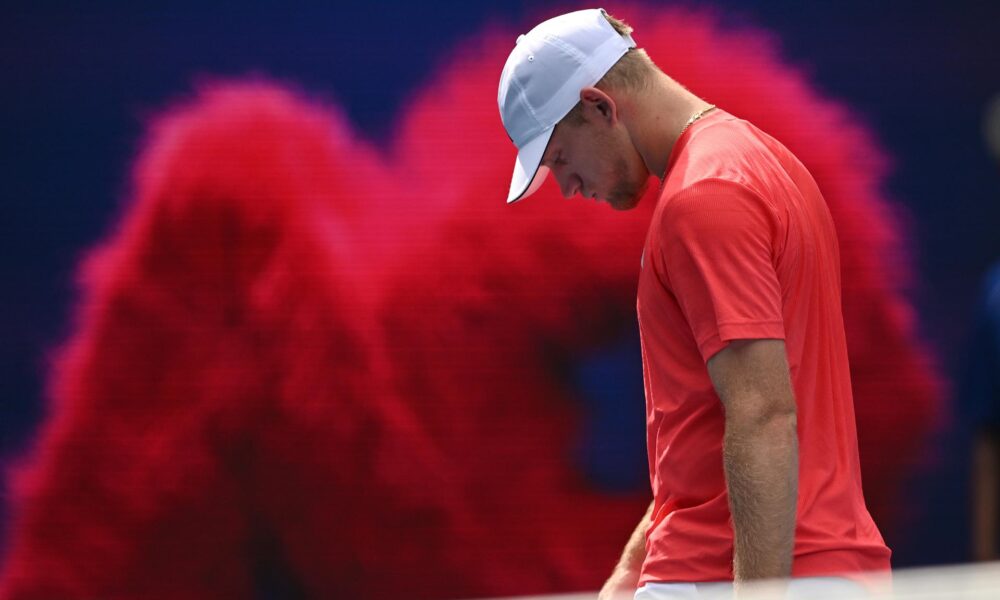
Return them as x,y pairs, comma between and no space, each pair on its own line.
625,577
760,454
985,506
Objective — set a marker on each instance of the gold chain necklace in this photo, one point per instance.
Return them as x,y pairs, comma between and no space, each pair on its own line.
701,113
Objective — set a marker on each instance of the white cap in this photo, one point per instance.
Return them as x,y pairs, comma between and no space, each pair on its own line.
541,83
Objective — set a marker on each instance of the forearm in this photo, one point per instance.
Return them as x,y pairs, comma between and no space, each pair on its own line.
761,464
625,576
984,497
635,550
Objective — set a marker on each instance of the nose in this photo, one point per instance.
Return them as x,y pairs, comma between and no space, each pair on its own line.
569,185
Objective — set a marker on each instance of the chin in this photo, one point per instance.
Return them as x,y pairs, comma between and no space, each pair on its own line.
628,201
625,205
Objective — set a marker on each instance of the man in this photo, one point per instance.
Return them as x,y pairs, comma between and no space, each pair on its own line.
980,392
750,421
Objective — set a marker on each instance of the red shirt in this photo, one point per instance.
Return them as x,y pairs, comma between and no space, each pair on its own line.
742,246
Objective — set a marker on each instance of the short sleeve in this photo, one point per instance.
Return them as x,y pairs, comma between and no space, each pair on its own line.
717,247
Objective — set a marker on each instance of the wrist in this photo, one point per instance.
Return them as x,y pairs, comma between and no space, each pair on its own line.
631,566
626,575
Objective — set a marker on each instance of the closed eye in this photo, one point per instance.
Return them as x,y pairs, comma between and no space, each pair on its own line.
557,160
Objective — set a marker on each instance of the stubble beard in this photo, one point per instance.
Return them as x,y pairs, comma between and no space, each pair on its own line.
627,192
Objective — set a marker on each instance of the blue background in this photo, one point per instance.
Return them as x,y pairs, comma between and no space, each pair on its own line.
78,81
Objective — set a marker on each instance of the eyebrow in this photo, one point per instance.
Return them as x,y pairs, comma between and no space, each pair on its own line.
547,157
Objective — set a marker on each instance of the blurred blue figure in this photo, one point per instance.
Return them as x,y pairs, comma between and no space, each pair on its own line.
612,452
981,393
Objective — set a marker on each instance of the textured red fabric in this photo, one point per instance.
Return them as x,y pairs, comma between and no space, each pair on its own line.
219,406
742,246
292,353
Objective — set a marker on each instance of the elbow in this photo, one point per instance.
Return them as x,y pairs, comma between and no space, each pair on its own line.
769,420
784,415
772,432
781,422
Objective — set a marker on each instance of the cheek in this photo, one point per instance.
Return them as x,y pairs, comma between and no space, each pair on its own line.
596,162
612,165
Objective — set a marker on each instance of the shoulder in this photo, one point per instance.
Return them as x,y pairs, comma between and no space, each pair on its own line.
712,201
727,149
717,217
727,136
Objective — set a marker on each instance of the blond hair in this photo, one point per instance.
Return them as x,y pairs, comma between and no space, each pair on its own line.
631,73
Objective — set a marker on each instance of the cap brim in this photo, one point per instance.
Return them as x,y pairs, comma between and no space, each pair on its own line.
528,174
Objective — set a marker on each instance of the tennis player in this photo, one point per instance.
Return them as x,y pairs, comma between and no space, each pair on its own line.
751,437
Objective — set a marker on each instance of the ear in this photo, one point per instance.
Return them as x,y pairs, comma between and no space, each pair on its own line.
599,106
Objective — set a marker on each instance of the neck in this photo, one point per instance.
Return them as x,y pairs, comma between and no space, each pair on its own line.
658,116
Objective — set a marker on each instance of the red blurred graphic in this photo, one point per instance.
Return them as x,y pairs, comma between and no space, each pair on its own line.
304,367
